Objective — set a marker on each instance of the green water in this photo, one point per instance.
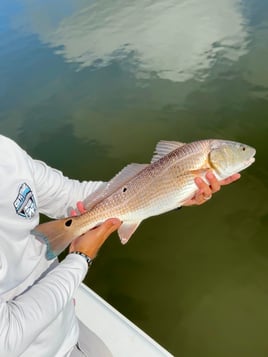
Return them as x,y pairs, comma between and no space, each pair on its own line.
90,86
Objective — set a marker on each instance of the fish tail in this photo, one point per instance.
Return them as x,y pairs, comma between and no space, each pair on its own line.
57,235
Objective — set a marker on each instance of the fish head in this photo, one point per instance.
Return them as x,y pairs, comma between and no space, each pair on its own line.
229,157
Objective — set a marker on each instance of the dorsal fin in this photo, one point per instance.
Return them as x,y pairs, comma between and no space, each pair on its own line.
165,147
125,175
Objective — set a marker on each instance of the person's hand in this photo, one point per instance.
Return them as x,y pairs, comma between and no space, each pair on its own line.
90,242
80,209
205,190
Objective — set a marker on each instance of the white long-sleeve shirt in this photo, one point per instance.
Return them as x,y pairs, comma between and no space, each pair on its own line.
37,316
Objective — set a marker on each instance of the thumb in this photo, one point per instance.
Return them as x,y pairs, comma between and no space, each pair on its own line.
108,227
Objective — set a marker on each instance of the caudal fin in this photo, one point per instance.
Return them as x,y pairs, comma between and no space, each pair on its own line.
57,235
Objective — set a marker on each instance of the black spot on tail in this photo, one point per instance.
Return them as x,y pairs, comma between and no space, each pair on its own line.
68,223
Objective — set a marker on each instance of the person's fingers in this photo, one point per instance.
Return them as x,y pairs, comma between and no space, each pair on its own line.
215,185
108,227
230,179
201,197
73,213
80,207
204,192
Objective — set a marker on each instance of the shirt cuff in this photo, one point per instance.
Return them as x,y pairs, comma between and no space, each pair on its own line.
76,261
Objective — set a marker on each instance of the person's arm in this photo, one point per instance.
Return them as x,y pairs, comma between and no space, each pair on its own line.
25,317
56,193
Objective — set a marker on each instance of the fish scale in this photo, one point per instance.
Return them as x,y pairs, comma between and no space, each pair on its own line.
140,191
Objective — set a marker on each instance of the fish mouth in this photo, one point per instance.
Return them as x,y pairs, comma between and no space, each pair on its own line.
249,162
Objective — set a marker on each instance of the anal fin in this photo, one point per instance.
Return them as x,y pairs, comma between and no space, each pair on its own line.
126,230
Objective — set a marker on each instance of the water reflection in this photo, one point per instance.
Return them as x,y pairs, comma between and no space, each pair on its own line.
172,40
255,65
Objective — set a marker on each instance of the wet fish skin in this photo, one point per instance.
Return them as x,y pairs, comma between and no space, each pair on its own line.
140,191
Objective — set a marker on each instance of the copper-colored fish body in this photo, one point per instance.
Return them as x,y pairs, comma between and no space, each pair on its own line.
140,191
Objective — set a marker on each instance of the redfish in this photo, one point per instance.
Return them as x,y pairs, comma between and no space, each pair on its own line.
140,191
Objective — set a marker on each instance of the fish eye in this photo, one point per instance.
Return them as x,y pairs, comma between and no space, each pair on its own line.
243,148
124,189
68,223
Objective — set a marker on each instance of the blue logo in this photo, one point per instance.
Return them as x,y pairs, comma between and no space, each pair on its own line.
24,204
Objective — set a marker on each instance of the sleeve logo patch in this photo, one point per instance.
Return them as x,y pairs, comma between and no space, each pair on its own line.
24,204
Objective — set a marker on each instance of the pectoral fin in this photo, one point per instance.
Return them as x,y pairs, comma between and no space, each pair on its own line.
200,173
126,230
